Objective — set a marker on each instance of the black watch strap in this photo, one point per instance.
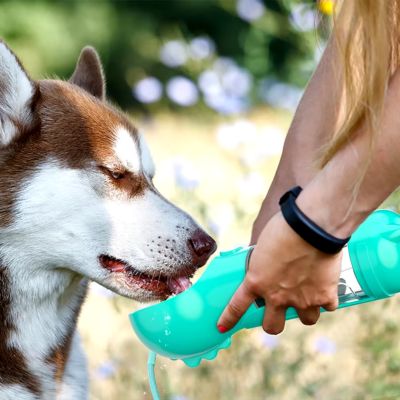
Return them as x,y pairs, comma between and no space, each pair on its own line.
307,229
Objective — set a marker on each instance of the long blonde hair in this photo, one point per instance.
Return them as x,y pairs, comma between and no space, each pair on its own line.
368,38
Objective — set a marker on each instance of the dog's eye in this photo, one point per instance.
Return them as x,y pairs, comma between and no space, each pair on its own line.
117,175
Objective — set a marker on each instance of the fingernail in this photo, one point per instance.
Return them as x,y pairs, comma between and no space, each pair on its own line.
222,328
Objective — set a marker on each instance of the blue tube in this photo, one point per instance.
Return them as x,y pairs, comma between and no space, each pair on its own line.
152,377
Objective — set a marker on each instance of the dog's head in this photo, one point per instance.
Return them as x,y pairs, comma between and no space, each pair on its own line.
76,189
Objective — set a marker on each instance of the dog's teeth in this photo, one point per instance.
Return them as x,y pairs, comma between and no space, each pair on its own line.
112,265
178,285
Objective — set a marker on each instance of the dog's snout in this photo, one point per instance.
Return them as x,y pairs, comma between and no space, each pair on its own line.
202,244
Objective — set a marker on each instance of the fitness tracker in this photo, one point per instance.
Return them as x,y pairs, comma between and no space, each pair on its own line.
307,229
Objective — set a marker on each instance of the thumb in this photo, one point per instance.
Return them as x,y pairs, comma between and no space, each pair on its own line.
236,307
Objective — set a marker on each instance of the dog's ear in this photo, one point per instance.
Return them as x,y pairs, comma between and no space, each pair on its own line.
17,92
88,73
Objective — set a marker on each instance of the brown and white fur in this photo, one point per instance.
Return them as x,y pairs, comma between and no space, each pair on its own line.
77,203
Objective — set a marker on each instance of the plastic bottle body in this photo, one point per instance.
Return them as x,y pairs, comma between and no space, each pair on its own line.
184,326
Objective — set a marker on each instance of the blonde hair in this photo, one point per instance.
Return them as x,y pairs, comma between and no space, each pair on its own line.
367,35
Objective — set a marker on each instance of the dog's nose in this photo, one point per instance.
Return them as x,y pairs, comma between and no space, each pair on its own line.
202,244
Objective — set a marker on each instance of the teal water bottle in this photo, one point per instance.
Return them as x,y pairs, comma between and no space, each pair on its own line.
184,327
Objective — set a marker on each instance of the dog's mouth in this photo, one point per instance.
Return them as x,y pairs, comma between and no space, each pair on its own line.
160,285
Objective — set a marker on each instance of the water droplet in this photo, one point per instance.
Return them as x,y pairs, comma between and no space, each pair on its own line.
167,332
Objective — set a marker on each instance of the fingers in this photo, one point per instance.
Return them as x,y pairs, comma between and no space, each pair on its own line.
309,316
237,306
332,305
274,319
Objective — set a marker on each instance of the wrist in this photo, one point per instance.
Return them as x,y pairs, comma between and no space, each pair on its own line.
306,228
339,215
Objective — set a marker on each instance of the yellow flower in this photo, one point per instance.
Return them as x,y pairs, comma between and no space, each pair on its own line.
326,6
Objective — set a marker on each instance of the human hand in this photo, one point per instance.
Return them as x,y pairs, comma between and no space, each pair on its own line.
286,272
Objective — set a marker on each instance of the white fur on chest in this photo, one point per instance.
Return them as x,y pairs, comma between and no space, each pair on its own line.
41,326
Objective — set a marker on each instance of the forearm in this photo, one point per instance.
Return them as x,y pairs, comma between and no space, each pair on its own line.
312,125
328,197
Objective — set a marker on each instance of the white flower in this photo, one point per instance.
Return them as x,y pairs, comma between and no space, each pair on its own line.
271,141
221,218
237,81
105,370
186,176
253,184
325,345
232,135
303,17
148,90
201,48
226,104
250,10
226,86
270,341
182,91
174,53
281,95
179,397
210,83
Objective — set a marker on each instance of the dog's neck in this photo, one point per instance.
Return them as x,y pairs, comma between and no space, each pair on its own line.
36,326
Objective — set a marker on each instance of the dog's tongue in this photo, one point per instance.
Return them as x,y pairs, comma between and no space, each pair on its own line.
178,285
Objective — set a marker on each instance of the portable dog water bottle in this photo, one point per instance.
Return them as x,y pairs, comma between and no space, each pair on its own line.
184,327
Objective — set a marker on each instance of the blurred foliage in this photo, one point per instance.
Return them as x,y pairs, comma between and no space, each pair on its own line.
277,44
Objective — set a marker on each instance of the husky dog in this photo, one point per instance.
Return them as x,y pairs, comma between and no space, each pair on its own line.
77,203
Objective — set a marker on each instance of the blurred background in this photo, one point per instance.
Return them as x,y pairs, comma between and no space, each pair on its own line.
213,84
